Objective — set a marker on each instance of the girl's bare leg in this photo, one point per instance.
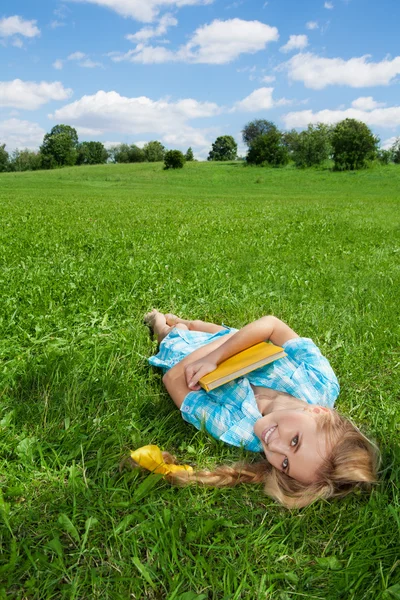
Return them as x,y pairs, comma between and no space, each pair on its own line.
158,324
196,325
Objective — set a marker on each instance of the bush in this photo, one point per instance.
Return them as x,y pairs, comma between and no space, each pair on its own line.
174,159
268,149
25,160
224,148
312,146
353,145
385,156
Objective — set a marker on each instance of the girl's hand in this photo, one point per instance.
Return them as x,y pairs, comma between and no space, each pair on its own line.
197,370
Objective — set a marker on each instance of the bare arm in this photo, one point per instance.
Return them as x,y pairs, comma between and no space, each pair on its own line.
175,379
266,328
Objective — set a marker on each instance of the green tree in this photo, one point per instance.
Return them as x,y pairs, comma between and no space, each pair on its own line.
120,153
91,153
353,145
268,149
68,130
59,147
224,148
25,160
136,154
127,154
4,158
174,159
289,140
396,151
256,128
154,151
312,146
385,157
189,155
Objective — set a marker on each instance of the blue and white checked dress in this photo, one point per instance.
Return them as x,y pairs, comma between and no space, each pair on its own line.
229,412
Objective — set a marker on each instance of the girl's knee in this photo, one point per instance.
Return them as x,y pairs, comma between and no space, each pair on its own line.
195,325
181,326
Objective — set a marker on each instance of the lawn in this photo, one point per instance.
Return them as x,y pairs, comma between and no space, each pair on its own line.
84,252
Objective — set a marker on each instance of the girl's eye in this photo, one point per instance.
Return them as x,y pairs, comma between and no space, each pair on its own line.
295,441
285,464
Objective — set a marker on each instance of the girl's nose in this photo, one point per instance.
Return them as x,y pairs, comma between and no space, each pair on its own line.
278,446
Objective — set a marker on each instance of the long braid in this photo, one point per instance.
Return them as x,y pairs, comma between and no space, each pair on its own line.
222,476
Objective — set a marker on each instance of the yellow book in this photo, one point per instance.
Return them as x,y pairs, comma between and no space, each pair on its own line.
242,363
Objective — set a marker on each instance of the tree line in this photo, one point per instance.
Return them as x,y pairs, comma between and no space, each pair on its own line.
61,148
350,144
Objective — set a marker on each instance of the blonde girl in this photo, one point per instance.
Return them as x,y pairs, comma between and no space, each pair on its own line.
284,410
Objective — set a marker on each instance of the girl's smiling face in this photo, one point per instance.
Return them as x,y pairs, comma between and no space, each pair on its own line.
293,442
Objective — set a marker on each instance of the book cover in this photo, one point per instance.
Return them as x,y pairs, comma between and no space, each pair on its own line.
240,364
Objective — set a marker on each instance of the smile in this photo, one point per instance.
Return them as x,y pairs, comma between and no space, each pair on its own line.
266,434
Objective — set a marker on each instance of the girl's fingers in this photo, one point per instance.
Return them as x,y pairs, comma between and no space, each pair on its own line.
198,374
189,372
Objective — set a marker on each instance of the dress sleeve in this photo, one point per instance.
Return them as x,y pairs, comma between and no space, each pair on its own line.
313,370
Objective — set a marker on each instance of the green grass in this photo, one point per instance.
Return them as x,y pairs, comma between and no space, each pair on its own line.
84,252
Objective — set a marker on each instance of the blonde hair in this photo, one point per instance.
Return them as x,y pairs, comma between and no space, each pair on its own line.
352,463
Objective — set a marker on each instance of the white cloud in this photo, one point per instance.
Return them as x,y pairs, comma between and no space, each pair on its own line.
108,112
16,133
76,56
367,103
29,95
378,117
10,26
81,58
220,42
388,144
88,131
296,42
143,10
146,55
17,42
146,33
312,25
223,41
88,63
268,78
55,24
328,5
317,73
109,145
260,99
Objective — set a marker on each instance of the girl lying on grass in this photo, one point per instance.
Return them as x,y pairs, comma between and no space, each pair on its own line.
284,409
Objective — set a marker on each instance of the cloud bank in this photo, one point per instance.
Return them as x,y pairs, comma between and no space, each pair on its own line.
318,73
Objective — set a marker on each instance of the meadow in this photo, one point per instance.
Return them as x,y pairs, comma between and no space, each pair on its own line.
84,253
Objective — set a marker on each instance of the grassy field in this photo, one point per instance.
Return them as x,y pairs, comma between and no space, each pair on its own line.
84,253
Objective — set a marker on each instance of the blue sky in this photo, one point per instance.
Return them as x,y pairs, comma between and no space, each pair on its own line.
185,71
